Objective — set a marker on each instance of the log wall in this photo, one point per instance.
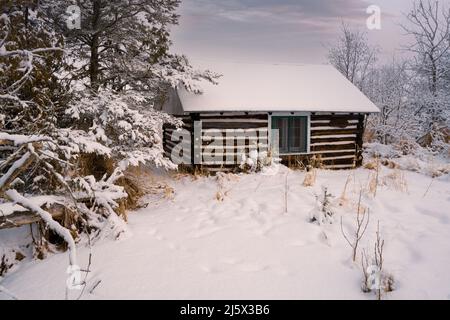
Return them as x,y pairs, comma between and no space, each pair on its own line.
335,139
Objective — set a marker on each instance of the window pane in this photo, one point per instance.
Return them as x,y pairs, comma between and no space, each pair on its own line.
282,124
297,134
292,133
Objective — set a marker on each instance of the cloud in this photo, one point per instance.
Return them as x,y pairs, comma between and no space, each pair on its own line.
270,30
314,14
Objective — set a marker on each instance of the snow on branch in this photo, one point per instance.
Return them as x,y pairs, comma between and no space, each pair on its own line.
13,171
20,139
47,218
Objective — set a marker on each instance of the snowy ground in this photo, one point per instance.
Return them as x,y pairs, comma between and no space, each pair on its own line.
247,247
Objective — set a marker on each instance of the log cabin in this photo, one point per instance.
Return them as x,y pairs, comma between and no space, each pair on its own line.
308,115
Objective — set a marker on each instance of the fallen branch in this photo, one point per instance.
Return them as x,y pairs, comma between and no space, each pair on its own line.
47,218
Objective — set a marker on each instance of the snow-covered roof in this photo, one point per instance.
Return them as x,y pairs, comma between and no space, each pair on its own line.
263,87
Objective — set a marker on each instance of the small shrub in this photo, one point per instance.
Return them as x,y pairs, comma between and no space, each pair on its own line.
375,278
323,211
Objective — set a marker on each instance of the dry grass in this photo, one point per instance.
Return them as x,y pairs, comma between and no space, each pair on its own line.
396,180
140,181
374,179
343,200
372,165
310,178
223,182
370,135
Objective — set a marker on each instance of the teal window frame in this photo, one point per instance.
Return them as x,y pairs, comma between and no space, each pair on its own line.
291,149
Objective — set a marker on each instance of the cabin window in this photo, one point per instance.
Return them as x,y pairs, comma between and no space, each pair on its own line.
293,134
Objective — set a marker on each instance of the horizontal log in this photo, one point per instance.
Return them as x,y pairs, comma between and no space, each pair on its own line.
338,143
333,139
334,153
233,125
263,122
339,166
20,218
234,117
228,153
331,117
208,140
237,131
246,147
350,146
338,162
317,133
322,127
328,121
353,157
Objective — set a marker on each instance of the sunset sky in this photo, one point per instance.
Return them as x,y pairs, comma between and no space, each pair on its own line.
282,31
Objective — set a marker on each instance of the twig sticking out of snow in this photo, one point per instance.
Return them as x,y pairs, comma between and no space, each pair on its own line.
286,190
343,198
428,188
375,278
362,221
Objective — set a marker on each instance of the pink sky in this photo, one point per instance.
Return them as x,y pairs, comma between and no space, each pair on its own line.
281,31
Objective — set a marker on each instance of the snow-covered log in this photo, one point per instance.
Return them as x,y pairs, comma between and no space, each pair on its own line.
47,218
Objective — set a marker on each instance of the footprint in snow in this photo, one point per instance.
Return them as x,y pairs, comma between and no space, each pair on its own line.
231,261
180,219
205,233
299,243
249,267
173,246
210,269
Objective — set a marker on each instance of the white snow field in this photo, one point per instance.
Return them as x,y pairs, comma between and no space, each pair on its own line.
248,247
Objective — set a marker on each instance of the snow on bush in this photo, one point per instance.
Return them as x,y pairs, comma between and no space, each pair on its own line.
375,278
126,123
323,212
411,157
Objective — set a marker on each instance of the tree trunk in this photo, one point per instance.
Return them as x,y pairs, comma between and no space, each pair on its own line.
94,66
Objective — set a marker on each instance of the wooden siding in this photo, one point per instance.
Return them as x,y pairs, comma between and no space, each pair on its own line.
236,134
335,139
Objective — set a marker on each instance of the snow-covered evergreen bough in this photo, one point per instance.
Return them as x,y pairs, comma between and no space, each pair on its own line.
71,123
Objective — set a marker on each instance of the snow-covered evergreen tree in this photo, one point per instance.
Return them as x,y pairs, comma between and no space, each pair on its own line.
64,100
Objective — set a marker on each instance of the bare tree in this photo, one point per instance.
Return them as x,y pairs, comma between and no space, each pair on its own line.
388,88
430,27
361,223
353,56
